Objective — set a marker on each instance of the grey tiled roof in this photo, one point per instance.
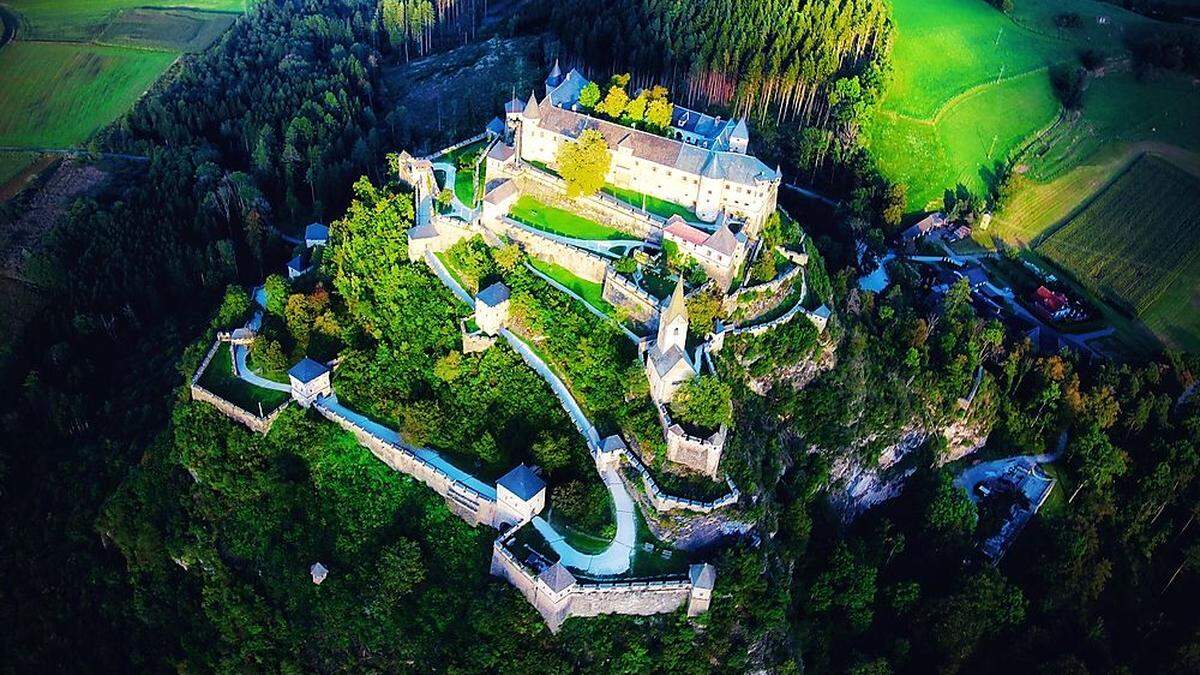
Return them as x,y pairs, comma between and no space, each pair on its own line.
557,577
316,231
502,190
424,231
665,362
703,576
307,370
522,482
493,295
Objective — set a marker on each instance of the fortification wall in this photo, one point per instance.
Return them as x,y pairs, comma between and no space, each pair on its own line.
588,597
700,454
238,414
600,207
463,501
581,263
662,502
623,293
759,294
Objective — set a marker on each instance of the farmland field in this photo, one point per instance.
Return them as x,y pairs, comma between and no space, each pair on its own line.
971,88
1138,244
78,65
83,20
59,94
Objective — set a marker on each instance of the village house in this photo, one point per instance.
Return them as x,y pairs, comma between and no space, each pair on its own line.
315,234
1051,305
701,164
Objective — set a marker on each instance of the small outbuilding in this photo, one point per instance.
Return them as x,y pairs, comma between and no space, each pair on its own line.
316,234
310,380
318,572
520,495
491,308
297,267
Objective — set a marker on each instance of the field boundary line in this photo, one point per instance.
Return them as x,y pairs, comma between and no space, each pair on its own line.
1081,206
969,92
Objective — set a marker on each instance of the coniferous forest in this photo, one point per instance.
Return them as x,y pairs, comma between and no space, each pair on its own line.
140,531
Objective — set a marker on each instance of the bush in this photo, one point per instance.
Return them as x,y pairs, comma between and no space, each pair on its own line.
235,308
703,401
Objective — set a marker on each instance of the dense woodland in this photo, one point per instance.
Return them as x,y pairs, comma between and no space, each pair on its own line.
141,531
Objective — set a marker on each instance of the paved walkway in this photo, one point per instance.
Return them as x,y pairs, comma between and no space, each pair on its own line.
457,208
448,280
240,351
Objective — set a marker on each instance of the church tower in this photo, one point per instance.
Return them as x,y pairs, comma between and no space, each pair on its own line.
673,322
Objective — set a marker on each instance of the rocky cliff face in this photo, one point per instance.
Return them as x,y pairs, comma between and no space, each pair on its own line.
856,488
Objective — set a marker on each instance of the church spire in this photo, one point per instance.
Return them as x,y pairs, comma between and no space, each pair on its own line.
673,322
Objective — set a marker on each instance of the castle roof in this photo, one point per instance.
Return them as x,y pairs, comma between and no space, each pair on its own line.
664,363
555,74
316,232
722,164
503,190
531,108
703,576
522,482
723,241
496,126
565,94
297,264
516,105
613,443
492,296
557,577
740,130
423,231
307,370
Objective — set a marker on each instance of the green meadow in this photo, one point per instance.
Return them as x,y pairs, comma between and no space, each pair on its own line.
59,94
77,65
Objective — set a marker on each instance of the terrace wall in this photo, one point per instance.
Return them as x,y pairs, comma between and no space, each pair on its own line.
581,263
621,292
599,207
237,413
588,597
665,502
463,501
760,293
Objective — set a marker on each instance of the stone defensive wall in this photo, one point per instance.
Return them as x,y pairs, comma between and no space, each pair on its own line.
664,502
818,320
463,500
237,413
581,263
759,291
586,597
599,207
621,292
256,423
456,146
700,454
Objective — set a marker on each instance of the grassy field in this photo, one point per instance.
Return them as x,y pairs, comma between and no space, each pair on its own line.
167,29
551,219
59,94
84,20
590,291
1137,244
971,88
78,65
220,380
659,207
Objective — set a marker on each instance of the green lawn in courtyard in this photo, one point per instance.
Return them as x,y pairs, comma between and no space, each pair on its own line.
220,380
659,207
590,291
558,221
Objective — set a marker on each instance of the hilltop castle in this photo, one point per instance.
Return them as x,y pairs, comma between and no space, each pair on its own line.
701,164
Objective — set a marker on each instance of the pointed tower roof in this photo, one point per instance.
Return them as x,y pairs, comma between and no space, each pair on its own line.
555,71
531,108
741,130
676,307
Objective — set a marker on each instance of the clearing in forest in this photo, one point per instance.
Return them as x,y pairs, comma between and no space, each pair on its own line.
1138,245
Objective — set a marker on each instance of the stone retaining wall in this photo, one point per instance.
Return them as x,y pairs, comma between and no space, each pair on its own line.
771,288
581,263
456,146
463,500
621,292
664,502
235,412
590,597
599,207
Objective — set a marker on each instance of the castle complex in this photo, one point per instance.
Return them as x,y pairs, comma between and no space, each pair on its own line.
702,164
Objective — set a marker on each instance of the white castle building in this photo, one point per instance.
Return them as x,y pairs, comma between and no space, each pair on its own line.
702,164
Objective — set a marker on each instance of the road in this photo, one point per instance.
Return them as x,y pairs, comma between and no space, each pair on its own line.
76,151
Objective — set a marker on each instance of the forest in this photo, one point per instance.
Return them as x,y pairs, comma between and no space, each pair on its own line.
142,531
